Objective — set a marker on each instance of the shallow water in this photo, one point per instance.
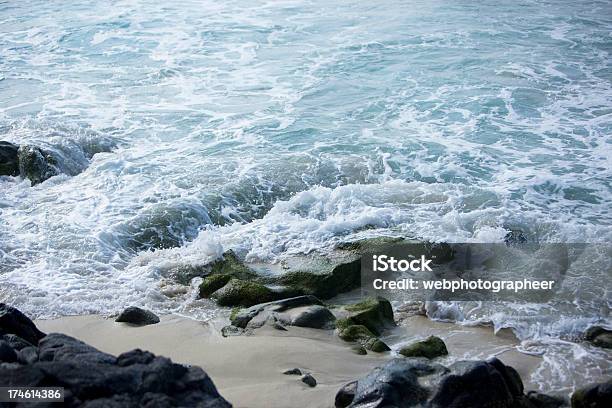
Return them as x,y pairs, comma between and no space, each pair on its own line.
287,126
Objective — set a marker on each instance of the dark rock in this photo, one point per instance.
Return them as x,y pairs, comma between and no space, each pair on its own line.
309,380
345,396
27,355
59,348
539,400
256,316
137,317
37,164
15,342
599,336
12,321
431,347
293,371
416,382
9,159
515,237
7,354
316,317
95,379
593,396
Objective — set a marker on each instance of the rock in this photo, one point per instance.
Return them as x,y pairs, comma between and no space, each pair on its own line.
515,237
95,379
256,316
243,293
309,380
27,355
359,349
37,164
438,252
416,382
212,283
539,400
431,347
593,396
7,354
293,371
354,332
15,342
12,321
137,317
315,316
376,345
374,313
599,336
9,159
230,265
228,331
345,396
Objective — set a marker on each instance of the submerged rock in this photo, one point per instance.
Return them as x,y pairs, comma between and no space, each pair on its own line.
599,336
137,317
413,382
36,164
593,396
93,378
431,347
9,159
515,237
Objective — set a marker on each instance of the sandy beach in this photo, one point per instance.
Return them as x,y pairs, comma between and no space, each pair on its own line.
247,370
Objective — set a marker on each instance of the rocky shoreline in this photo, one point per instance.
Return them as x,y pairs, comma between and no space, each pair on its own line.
139,378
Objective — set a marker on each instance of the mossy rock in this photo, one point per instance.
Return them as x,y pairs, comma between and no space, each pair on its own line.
212,283
243,293
230,265
374,313
354,332
343,277
376,345
431,347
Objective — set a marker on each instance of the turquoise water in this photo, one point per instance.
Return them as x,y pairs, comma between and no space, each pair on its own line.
282,127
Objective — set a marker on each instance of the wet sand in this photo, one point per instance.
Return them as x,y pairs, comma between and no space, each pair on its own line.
247,370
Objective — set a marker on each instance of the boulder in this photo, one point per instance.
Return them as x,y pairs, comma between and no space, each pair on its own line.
539,400
256,316
416,382
593,396
9,159
37,164
137,317
212,283
599,336
431,347
243,293
92,378
95,379
374,313
12,321
315,316
360,334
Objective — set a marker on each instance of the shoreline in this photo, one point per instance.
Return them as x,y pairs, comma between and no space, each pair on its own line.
248,370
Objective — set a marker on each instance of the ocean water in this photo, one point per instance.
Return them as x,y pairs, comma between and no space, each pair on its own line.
281,127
